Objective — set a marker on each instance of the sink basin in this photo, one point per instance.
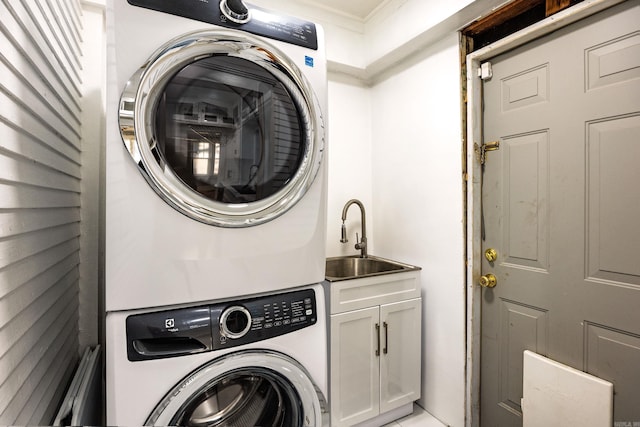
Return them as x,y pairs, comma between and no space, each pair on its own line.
352,267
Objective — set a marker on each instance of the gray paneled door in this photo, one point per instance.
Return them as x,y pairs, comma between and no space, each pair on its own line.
561,202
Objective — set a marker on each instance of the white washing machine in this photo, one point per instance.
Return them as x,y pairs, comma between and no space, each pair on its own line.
259,361
215,171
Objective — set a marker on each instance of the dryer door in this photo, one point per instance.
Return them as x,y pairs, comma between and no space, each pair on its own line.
224,127
253,388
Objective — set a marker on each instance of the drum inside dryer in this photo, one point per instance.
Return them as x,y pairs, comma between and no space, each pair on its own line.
230,130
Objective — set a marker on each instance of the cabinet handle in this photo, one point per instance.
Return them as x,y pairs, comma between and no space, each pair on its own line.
378,335
386,337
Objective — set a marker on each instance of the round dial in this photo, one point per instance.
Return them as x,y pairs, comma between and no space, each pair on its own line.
235,11
235,322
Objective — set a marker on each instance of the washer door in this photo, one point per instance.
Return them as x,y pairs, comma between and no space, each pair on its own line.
224,127
254,388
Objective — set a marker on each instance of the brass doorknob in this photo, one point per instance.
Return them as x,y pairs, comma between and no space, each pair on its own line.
488,281
491,254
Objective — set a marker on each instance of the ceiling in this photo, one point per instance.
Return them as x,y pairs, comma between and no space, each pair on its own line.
360,9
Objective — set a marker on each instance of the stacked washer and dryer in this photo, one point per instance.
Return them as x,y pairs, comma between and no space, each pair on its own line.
215,216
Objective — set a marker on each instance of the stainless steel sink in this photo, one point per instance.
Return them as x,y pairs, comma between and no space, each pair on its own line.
352,267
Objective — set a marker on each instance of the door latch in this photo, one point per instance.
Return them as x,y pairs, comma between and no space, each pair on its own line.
481,150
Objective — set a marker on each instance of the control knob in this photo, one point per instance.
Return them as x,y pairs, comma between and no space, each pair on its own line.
235,11
235,322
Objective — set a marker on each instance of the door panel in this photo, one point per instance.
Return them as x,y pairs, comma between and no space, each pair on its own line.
561,206
526,87
400,358
526,195
614,354
613,224
522,328
614,61
354,366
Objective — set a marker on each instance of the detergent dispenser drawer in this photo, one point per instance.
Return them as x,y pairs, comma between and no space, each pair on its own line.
168,333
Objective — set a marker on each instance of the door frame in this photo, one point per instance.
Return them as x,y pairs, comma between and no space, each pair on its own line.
473,96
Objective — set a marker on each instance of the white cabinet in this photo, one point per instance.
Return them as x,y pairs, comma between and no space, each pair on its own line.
400,359
375,350
355,369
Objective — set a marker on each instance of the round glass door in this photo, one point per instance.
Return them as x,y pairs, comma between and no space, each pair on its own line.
225,129
244,389
242,398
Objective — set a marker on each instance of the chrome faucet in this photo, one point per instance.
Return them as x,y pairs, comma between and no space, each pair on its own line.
362,244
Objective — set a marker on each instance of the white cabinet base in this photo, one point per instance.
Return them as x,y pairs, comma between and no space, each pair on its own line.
388,417
375,348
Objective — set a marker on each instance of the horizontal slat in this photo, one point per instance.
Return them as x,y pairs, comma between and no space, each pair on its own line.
17,248
23,143
52,30
35,34
18,273
29,46
12,58
16,196
71,10
43,414
28,103
70,25
34,178
14,222
33,98
40,409
27,171
12,304
24,331
50,316
15,114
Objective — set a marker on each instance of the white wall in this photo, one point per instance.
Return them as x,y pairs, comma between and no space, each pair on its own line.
417,201
349,162
402,20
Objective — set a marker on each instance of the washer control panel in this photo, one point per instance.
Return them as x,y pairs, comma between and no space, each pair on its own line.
261,318
184,331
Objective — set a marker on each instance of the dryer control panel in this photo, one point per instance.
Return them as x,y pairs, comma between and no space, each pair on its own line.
249,18
183,331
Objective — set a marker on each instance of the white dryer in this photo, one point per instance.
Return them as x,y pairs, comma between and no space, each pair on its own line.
260,361
215,166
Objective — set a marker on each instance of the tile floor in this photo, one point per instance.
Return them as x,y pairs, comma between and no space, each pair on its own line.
419,418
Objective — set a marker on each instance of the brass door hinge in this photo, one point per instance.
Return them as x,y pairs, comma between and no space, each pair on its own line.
481,150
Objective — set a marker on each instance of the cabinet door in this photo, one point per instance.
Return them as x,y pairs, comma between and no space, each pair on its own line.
400,372
355,377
